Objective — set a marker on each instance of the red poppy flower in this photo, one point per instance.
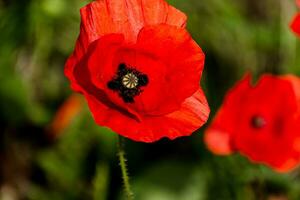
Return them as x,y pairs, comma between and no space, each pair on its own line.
65,114
295,24
139,69
261,122
298,3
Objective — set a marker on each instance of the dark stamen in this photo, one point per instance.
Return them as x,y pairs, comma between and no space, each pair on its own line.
143,80
122,70
128,83
113,85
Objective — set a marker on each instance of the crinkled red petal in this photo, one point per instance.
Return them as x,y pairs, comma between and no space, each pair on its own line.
183,58
127,17
85,72
169,57
193,114
219,135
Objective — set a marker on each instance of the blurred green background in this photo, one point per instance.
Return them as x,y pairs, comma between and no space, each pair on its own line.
78,160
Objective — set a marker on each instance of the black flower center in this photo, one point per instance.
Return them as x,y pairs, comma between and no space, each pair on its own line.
258,122
128,82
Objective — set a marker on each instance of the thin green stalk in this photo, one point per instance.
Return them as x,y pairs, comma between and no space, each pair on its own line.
122,162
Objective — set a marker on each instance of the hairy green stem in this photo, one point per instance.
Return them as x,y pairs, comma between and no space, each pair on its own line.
122,162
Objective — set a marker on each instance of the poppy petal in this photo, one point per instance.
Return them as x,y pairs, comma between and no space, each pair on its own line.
176,18
127,17
278,121
111,51
218,142
184,59
287,165
158,11
295,84
80,50
192,115
295,25
87,71
219,135
65,114
165,73
118,16
104,50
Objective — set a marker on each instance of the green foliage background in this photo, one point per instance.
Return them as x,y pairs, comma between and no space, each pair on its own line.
36,36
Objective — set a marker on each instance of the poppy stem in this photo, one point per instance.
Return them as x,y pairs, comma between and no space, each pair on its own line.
122,162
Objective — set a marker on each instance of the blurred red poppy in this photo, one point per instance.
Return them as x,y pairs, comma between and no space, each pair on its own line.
71,108
139,69
261,122
295,24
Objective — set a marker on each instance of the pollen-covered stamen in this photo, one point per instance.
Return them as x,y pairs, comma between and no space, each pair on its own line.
130,81
258,122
